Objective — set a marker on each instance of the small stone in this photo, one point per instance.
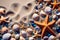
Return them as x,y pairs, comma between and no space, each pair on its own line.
37,10
58,13
36,7
48,10
40,5
31,38
35,15
11,31
58,29
22,38
12,39
45,38
29,29
24,33
6,36
51,37
38,29
17,36
16,27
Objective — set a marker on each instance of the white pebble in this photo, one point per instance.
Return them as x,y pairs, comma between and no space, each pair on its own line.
35,15
51,37
6,36
31,38
15,26
17,36
47,9
29,29
58,13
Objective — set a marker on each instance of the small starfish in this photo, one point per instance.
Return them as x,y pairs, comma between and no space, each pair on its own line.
3,19
23,26
55,3
45,25
36,34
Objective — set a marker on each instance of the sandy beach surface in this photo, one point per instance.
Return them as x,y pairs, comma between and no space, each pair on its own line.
20,10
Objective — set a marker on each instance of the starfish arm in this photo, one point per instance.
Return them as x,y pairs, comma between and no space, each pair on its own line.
51,23
4,20
58,3
8,21
54,6
22,26
52,3
43,32
46,20
36,34
51,31
39,23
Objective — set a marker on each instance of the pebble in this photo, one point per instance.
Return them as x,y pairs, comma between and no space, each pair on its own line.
58,13
6,36
31,38
17,36
48,10
35,15
24,33
12,39
21,38
16,27
45,37
51,37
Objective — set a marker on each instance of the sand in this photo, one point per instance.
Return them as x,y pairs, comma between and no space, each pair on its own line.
20,10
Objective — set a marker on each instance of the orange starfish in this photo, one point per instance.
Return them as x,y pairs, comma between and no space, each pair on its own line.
45,25
55,3
3,19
